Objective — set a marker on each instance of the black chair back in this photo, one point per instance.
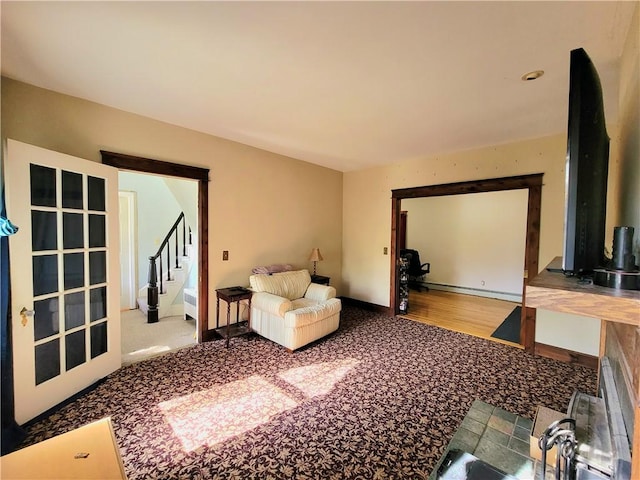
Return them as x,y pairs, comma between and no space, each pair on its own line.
415,266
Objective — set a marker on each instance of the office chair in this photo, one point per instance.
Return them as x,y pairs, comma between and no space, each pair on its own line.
416,270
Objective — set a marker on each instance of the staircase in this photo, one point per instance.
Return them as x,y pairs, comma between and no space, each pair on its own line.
157,299
172,289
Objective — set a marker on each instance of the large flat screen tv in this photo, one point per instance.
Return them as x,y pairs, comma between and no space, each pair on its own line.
587,169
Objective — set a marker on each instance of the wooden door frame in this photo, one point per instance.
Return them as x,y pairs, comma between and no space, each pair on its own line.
533,183
158,167
402,230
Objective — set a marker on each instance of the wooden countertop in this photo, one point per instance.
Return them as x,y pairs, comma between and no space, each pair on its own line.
557,292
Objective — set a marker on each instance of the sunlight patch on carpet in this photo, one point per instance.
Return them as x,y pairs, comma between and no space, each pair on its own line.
319,378
144,352
222,412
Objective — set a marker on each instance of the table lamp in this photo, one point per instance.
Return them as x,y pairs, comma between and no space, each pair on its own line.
315,257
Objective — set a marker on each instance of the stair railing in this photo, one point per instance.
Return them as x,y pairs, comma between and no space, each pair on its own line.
155,264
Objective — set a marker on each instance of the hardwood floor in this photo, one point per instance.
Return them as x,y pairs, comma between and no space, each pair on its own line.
473,315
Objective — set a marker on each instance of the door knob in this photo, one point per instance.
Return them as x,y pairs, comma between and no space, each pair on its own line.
24,313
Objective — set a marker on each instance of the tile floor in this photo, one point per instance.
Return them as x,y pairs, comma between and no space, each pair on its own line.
499,438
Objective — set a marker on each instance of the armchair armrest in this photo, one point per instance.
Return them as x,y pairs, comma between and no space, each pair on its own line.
428,267
311,314
319,293
270,303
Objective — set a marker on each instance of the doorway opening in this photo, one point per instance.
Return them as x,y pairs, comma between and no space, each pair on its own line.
155,202
201,175
533,185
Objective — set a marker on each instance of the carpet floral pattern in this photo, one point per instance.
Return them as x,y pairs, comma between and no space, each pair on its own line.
378,399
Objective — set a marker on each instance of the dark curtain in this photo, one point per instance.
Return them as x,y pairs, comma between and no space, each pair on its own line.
12,434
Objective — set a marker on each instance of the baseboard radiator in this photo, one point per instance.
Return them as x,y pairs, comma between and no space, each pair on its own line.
190,301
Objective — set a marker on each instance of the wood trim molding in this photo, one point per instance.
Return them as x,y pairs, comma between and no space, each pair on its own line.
372,307
533,183
203,260
471,186
567,356
532,248
157,167
394,283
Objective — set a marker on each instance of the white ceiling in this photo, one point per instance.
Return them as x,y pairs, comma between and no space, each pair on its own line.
346,85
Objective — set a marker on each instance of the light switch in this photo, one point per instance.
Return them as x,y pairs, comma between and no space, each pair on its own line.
225,255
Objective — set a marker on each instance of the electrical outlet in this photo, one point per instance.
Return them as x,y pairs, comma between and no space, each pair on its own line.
385,251
225,255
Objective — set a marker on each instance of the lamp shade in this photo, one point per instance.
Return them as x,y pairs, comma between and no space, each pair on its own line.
315,256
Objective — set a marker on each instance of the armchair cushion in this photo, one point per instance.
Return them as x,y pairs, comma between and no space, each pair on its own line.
289,285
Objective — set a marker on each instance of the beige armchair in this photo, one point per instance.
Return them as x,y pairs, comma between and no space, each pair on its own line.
290,310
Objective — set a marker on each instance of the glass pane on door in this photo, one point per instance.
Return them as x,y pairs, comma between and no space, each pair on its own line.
43,186
45,318
97,267
75,349
73,270
72,191
98,339
45,274
98,307
44,228
47,361
97,231
96,194
72,230
74,310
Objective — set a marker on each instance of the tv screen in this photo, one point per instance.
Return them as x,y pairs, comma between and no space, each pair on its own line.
586,170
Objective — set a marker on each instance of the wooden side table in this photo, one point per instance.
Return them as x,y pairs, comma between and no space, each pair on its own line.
232,295
320,279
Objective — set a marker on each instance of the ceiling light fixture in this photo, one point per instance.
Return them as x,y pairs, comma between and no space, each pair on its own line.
532,75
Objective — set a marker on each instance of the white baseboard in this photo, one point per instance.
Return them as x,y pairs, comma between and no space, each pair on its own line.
510,297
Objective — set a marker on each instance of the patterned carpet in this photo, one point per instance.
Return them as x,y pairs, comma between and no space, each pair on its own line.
378,399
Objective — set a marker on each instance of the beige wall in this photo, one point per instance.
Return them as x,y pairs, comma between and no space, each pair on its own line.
367,203
474,241
264,208
628,161
367,218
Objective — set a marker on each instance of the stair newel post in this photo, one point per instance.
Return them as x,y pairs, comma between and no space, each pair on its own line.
152,292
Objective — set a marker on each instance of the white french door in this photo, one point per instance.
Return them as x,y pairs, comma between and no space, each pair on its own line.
65,282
